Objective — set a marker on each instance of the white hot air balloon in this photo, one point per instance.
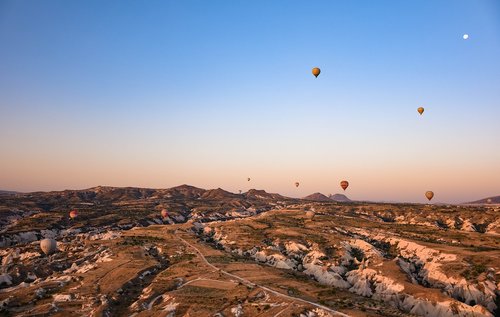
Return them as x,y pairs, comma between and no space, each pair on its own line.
48,246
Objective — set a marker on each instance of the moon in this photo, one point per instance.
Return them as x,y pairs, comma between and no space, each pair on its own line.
466,36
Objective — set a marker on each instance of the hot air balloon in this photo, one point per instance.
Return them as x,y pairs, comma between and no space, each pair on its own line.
248,179
429,195
310,214
48,246
344,184
164,213
297,184
420,110
316,71
73,214
240,191
489,201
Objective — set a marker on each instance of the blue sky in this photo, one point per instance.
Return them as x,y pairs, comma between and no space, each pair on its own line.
161,93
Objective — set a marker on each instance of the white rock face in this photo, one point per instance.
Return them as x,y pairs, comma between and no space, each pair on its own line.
63,297
468,226
109,235
368,282
237,311
430,261
277,260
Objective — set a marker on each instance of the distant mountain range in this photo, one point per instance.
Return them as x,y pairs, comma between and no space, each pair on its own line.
109,195
114,194
321,197
488,200
7,192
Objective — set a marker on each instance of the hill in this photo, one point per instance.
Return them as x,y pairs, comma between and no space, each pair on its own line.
317,197
262,194
7,192
339,198
488,200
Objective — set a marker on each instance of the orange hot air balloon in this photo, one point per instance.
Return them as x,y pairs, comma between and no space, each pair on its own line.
344,184
73,214
297,184
316,71
429,195
164,213
420,110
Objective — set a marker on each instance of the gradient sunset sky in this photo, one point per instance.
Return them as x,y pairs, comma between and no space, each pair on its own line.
208,93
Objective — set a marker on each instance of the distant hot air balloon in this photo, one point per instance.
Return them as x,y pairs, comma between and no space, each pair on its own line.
48,246
316,71
489,201
310,214
420,110
429,195
73,214
248,179
240,191
164,213
297,184
344,184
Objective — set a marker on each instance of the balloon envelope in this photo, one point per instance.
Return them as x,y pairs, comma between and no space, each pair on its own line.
344,184
429,195
164,213
297,184
248,179
73,214
316,71
48,246
420,110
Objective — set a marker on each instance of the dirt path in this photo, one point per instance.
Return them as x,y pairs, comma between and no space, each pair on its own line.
249,283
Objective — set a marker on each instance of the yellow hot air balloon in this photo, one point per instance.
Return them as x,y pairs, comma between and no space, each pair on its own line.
420,110
316,71
429,195
297,184
344,184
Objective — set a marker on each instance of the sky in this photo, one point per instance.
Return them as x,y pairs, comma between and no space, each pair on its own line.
207,93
